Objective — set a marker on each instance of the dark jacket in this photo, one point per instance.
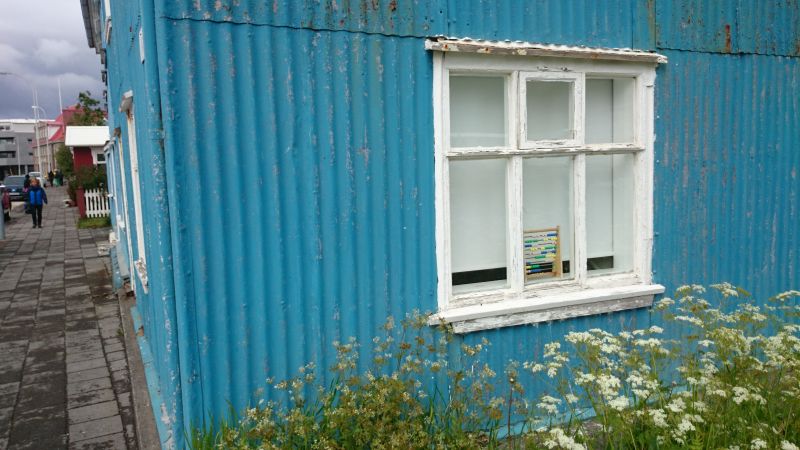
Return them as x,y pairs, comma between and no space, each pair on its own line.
37,196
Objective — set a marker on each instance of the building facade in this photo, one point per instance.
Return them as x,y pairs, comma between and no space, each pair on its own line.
17,142
393,165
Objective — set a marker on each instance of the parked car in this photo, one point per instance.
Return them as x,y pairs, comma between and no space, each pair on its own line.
14,185
37,175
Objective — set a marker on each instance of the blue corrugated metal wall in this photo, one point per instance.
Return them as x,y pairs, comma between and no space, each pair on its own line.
293,206
317,221
727,184
126,73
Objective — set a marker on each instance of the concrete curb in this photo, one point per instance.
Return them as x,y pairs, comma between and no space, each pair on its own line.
146,430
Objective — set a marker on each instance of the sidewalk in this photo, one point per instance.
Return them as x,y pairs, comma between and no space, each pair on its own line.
64,379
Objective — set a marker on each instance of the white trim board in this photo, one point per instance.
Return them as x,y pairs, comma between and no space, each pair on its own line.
519,48
546,308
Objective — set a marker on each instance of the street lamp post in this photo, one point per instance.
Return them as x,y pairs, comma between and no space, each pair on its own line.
36,107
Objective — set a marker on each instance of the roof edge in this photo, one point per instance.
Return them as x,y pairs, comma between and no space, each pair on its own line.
519,48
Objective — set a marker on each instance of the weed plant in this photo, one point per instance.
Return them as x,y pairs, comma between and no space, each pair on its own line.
731,381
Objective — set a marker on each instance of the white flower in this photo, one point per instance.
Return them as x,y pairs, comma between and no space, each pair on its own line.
700,406
584,378
559,439
549,404
786,445
651,342
536,368
656,329
692,320
758,443
685,426
609,385
581,337
677,405
664,303
570,398
659,418
551,349
619,403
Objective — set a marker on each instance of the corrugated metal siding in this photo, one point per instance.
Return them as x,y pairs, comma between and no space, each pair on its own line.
613,23
388,17
298,169
769,27
600,24
128,73
727,177
730,26
315,217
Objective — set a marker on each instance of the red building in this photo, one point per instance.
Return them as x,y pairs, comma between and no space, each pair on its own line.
87,144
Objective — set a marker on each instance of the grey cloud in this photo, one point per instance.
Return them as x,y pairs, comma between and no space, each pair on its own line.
44,41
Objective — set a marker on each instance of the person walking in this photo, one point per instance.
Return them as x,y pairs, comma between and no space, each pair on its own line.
50,176
37,198
6,201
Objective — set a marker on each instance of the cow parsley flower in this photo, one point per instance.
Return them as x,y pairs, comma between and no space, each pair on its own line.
619,403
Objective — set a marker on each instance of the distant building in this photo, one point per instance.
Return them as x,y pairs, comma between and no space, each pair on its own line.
16,146
53,134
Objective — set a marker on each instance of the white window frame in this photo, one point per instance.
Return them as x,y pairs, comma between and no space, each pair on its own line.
140,263
577,80
519,303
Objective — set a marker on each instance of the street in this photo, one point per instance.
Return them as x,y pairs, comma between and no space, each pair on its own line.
64,379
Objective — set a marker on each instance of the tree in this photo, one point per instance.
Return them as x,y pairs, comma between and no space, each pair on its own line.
64,160
89,111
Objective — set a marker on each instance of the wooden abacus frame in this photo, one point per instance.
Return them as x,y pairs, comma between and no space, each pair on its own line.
556,264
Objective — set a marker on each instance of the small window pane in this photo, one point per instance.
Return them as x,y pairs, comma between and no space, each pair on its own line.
550,110
609,110
547,206
478,224
609,213
477,111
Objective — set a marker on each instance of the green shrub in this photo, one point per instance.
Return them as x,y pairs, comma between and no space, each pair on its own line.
87,177
64,160
731,381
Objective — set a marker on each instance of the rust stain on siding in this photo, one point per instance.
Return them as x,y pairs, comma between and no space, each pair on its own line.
728,45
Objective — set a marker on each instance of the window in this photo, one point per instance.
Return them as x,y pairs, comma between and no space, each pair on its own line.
141,262
544,185
7,140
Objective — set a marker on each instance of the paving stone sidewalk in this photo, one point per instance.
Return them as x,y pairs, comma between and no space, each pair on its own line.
64,379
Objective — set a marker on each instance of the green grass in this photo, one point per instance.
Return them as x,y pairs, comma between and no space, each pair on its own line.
94,222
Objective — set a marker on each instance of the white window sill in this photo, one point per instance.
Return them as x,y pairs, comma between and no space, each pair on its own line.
553,306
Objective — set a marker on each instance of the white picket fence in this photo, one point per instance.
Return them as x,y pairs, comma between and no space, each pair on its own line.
96,203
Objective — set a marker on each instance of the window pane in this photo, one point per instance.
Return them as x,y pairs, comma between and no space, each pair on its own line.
477,111
478,224
550,110
547,214
609,110
609,213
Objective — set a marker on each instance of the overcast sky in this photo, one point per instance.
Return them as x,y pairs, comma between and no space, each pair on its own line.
44,41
